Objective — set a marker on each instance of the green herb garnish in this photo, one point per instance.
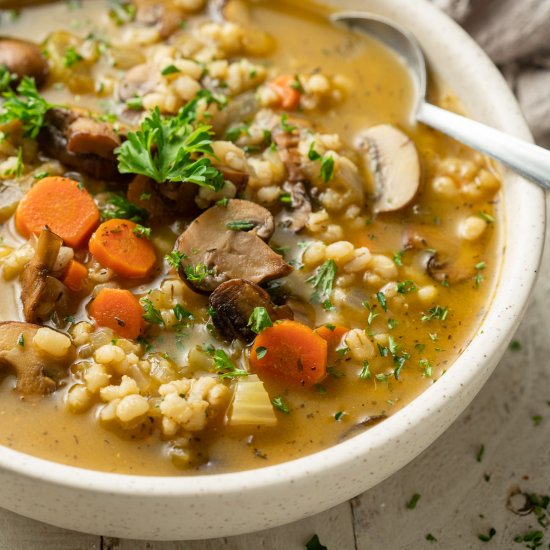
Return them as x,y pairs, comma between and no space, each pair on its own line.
259,320
279,403
323,281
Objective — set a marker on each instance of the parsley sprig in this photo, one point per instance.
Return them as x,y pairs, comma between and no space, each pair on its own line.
323,281
25,105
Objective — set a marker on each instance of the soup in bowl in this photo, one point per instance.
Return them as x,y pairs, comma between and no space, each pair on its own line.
225,243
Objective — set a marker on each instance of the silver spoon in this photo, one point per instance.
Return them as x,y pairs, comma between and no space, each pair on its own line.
531,161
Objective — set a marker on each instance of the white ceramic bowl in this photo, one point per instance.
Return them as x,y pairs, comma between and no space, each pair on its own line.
218,505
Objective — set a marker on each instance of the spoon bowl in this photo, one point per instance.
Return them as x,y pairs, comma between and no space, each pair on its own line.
527,159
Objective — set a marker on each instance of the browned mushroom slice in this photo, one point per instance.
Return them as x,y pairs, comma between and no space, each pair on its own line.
393,163
33,367
446,260
225,242
164,200
233,303
35,278
163,14
295,216
23,58
80,142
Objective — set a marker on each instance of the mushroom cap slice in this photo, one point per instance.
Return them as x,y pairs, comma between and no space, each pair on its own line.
226,242
393,162
35,277
233,303
296,215
23,58
31,366
446,259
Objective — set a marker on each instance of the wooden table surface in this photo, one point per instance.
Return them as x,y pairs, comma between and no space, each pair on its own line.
462,494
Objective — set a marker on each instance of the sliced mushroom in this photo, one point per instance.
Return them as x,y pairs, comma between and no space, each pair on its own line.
138,81
367,422
163,14
233,303
445,258
392,160
295,216
33,368
35,278
79,141
23,58
225,242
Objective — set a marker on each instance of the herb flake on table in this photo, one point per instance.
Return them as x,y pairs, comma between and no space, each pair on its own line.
315,544
487,537
411,504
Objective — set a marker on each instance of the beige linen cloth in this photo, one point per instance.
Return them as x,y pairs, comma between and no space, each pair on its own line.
516,35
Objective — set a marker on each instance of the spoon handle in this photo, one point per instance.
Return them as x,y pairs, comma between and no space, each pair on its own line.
528,160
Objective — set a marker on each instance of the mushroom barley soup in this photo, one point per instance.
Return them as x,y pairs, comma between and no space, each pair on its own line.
224,242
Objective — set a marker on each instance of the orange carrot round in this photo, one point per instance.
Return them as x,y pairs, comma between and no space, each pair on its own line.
333,334
119,310
116,246
75,276
291,351
289,96
59,203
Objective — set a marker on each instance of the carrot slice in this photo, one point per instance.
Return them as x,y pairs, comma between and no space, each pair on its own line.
291,351
63,206
119,310
115,245
289,96
75,276
333,334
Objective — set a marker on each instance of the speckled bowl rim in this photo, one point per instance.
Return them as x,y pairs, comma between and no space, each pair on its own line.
494,334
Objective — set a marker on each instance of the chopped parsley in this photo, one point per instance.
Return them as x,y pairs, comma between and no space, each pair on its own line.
280,404
537,419
480,453
297,84
21,340
486,217
404,287
327,168
71,57
486,538
339,415
240,225
119,207
121,12
170,69
323,281
150,313
381,297
26,106
141,231
174,258
286,127
234,133
224,201
398,258
436,312
261,352
182,315
225,367
312,154
426,368
259,320
411,505
365,373
197,273
429,537
134,103
315,544
515,345
533,539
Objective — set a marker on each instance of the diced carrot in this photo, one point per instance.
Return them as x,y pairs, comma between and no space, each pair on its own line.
333,334
119,310
75,276
59,203
289,96
116,246
291,351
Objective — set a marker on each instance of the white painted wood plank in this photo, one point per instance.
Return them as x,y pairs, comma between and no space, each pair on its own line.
19,533
334,528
